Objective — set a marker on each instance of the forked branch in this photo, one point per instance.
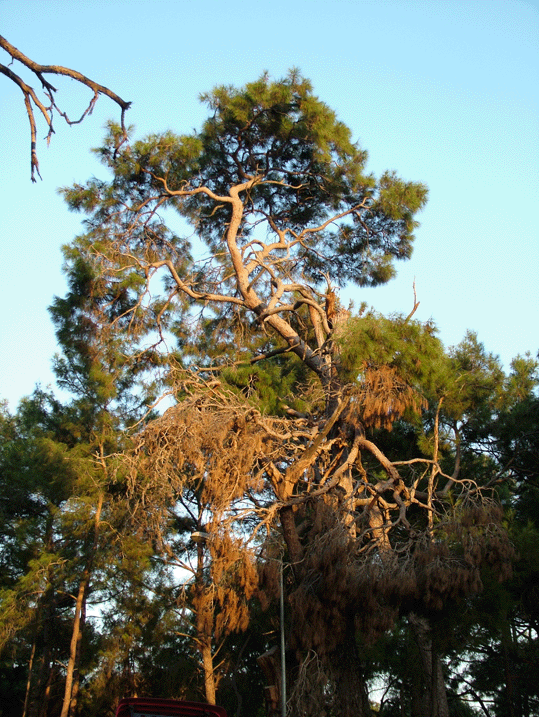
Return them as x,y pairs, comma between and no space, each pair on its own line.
32,101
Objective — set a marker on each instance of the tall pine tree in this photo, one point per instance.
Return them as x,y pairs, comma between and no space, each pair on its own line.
281,212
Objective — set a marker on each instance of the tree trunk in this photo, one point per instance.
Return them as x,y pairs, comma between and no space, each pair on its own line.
290,534
204,626
351,695
209,678
434,697
76,674
270,664
80,605
29,678
510,687
46,695
39,693
75,639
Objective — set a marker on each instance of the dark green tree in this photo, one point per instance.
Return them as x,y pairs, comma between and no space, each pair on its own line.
485,641
504,642
59,466
44,532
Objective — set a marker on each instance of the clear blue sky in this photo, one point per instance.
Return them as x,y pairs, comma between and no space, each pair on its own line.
445,92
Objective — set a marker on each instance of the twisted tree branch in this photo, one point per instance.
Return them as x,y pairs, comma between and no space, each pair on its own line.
32,101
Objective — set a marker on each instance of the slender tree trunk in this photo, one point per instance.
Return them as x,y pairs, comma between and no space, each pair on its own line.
45,697
80,605
29,679
75,637
209,677
509,671
39,693
76,674
39,668
204,626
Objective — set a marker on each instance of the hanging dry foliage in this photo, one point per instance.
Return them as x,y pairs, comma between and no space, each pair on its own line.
211,443
384,397
313,694
190,443
268,583
339,580
234,578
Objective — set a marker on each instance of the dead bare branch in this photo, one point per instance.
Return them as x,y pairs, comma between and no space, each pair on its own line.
31,100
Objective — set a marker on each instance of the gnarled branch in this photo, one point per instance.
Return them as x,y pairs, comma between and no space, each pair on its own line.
32,101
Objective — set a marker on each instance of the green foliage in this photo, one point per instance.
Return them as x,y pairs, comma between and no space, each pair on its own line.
479,376
408,346
298,171
270,385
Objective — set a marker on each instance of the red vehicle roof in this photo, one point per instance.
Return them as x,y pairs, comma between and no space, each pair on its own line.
156,707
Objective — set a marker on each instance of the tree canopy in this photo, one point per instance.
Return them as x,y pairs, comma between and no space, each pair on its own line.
278,195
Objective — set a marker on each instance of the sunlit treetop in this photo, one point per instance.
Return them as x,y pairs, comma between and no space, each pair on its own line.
276,190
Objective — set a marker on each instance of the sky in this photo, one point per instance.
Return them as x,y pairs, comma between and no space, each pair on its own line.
445,92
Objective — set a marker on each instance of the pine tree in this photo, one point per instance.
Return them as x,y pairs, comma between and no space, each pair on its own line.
60,496
108,397
504,633
301,394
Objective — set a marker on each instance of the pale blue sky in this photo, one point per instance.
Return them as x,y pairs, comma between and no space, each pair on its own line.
443,91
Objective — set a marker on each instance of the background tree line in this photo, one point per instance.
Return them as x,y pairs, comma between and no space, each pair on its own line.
394,480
